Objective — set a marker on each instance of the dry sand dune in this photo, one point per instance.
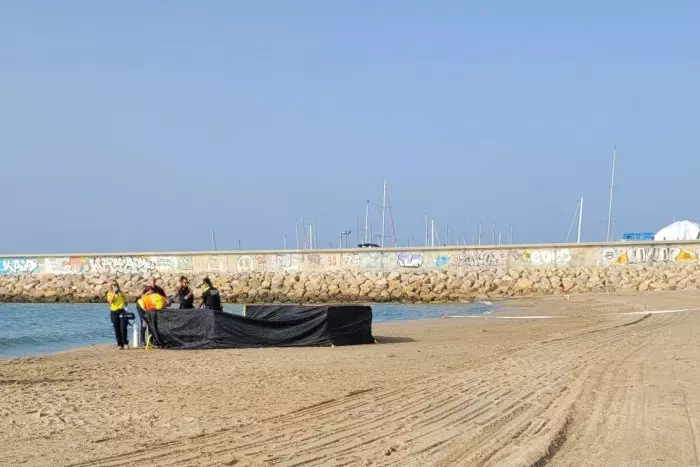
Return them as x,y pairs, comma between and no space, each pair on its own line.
588,388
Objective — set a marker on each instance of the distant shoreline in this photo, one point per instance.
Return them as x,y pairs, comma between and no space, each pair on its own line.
68,333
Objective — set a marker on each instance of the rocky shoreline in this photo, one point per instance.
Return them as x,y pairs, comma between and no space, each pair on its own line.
355,286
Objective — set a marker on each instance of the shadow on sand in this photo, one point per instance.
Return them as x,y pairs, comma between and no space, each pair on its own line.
392,339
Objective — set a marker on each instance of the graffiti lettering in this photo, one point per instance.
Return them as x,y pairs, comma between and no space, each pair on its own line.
352,260
475,258
372,261
442,261
282,261
215,264
685,256
409,260
649,255
244,264
550,257
18,266
314,259
121,265
66,265
184,263
520,255
165,263
332,261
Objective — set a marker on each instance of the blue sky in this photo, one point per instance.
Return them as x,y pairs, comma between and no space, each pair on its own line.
135,125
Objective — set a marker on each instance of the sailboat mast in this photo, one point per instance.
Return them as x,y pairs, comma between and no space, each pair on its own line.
315,234
296,231
612,188
383,214
391,217
426,230
580,220
367,222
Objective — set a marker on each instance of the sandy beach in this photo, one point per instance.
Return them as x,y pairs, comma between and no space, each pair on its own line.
603,380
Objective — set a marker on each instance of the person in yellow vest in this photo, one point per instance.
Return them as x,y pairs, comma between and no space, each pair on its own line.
148,301
117,302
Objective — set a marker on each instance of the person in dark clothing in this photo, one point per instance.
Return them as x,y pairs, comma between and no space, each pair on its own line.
185,295
151,287
211,297
120,328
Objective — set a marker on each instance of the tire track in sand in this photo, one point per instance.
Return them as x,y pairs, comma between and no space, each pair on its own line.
516,410
636,411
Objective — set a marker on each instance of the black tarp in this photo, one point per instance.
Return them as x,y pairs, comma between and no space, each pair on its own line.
269,326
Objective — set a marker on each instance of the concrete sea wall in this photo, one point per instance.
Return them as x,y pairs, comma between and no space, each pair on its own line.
408,275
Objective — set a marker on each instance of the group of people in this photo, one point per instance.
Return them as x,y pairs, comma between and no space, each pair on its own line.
210,299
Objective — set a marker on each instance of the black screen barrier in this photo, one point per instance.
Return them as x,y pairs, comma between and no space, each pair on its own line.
262,326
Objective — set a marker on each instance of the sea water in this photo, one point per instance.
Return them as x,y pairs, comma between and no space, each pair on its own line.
40,329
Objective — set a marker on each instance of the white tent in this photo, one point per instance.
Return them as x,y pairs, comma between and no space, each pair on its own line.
680,230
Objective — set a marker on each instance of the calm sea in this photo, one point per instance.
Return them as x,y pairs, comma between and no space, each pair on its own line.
39,329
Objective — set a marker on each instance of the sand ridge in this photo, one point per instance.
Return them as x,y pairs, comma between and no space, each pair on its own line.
589,389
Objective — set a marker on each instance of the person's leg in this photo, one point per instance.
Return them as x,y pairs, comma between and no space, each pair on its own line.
114,316
123,327
142,327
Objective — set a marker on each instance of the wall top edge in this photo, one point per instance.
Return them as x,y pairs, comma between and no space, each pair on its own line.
366,250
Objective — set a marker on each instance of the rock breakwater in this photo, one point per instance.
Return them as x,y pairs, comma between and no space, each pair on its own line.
367,286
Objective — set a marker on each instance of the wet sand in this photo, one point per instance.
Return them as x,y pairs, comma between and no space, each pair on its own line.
588,387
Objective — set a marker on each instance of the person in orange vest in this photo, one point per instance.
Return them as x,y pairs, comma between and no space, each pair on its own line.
151,288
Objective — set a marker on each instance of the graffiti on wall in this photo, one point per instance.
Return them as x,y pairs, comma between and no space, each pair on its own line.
284,262
18,266
314,259
363,260
481,258
371,261
442,261
185,263
409,260
245,264
74,265
352,259
641,255
115,264
550,257
520,255
121,265
281,261
164,263
216,264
